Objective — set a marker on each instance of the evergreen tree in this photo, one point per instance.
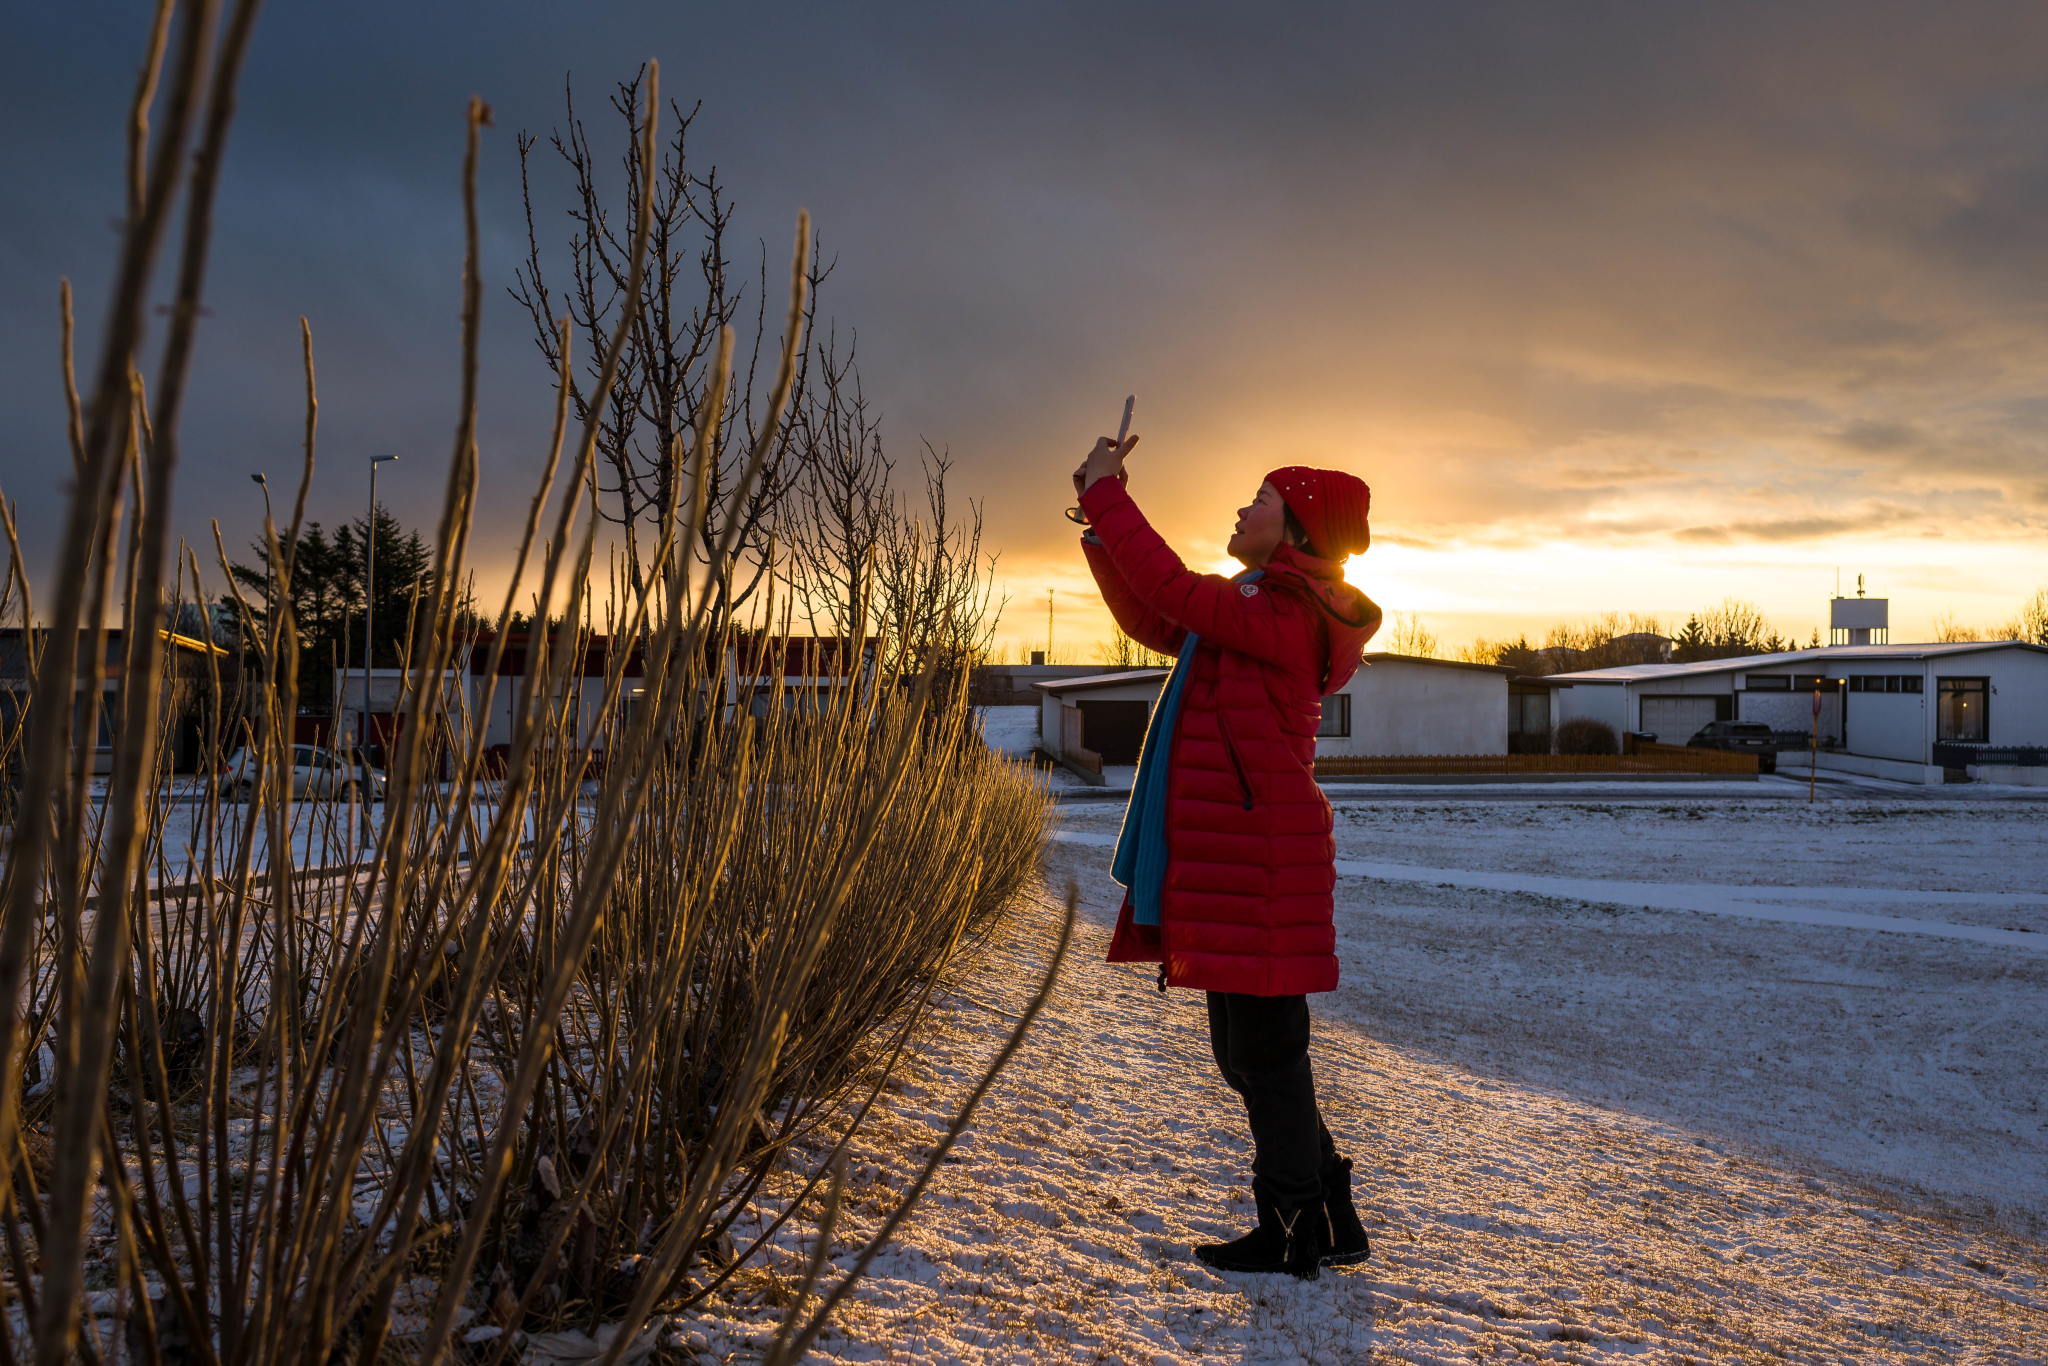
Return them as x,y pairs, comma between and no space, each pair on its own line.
326,598
1519,654
1690,644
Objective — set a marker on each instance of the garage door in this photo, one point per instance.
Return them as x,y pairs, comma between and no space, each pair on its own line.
1674,720
1115,730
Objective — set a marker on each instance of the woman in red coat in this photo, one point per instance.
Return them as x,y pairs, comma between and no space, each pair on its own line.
1226,849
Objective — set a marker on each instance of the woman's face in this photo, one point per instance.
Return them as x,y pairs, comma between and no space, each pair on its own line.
1261,528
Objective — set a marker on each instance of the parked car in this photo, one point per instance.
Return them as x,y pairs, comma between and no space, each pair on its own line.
316,773
1740,737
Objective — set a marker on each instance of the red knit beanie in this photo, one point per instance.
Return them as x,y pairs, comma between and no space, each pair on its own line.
1331,507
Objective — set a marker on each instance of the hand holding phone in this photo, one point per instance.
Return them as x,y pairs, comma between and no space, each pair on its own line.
1103,452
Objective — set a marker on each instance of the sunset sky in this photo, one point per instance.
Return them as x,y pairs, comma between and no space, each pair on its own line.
1627,307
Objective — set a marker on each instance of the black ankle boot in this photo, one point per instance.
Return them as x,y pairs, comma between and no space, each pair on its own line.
1307,1241
1263,1249
1292,1241
1344,1237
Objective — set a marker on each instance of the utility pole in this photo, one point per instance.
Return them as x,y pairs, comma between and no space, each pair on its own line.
1048,626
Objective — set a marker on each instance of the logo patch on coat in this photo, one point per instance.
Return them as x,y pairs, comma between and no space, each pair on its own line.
1250,590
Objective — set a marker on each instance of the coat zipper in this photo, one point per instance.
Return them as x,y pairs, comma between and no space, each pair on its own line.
1230,745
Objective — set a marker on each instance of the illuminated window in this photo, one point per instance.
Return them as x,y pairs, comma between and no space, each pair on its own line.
1963,715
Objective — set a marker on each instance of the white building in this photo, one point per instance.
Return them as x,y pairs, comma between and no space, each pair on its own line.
1393,704
1097,721
1403,704
804,671
1883,709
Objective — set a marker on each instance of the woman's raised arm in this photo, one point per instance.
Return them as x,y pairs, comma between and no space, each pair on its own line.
1208,604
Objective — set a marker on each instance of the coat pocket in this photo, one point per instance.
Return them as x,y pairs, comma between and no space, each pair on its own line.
1244,780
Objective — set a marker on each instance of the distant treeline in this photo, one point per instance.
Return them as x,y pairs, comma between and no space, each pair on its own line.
1727,630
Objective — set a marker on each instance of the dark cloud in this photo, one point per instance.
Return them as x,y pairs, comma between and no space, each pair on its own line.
1876,436
1532,271
1864,521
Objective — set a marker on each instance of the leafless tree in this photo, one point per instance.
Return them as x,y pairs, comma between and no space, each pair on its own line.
836,520
1949,631
688,295
935,585
861,557
1121,652
1408,636
867,558
2030,622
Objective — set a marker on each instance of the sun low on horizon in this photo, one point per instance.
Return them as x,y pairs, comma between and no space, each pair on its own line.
1662,541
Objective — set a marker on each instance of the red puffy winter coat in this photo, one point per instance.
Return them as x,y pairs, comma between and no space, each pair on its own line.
1250,869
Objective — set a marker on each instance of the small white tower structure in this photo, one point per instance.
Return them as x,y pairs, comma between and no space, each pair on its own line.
1859,620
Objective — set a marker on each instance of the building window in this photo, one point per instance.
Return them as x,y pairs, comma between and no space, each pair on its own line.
106,728
1529,712
797,699
1768,683
1962,717
1336,717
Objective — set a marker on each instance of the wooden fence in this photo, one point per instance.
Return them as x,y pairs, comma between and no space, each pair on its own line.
1645,759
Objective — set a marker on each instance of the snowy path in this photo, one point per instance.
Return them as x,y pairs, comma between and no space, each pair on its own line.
1508,1223
1756,903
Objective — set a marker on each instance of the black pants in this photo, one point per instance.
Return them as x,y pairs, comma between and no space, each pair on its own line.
1261,1047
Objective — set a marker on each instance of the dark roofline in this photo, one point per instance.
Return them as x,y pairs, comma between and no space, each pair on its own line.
1370,656
1110,680
1043,670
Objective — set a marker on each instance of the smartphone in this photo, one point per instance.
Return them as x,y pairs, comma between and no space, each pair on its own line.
1075,515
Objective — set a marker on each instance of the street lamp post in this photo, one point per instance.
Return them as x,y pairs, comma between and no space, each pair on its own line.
269,611
269,600
369,598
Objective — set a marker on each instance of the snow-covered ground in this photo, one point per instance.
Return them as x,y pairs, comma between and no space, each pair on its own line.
1585,1130
1011,731
1117,780
323,833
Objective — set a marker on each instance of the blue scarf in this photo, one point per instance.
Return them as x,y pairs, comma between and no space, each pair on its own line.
1140,862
